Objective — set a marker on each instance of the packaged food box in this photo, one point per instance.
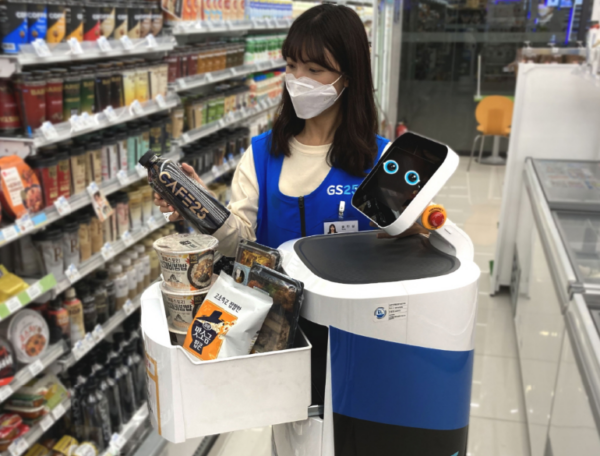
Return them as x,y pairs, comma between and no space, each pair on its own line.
48,386
186,260
10,284
279,328
9,424
7,363
19,431
20,189
249,253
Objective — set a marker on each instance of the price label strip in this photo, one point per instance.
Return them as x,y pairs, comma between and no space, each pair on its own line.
62,205
126,43
160,100
98,333
79,350
103,44
13,304
10,233
5,392
141,171
110,113
151,41
89,121
75,46
46,422
25,224
128,307
123,178
72,273
36,367
127,238
152,223
34,290
18,447
77,123
58,411
118,441
107,251
89,340
49,131
136,108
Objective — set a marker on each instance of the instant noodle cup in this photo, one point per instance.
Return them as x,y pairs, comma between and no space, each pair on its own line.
177,337
186,260
181,306
29,335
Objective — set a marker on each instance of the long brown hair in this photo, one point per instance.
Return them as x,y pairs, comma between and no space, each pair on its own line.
338,30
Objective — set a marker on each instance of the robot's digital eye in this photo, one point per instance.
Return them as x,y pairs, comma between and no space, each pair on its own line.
390,167
412,178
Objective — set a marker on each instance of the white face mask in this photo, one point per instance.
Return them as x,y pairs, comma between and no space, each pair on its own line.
309,97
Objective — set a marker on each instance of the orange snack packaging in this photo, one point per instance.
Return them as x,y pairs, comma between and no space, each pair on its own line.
20,189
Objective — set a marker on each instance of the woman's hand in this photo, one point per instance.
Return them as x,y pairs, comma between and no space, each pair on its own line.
414,229
164,205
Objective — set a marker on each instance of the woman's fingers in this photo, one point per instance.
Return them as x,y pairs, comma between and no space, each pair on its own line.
174,217
192,173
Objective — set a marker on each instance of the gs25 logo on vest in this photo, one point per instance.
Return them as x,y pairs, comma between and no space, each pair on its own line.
342,189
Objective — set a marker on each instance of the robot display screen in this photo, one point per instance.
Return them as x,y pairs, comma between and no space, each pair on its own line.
398,178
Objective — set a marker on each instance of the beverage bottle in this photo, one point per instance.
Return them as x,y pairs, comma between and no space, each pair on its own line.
100,300
111,391
122,376
75,309
76,392
195,203
111,291
138,370
96,415
58,316
90,315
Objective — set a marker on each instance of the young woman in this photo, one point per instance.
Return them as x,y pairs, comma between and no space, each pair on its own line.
299,177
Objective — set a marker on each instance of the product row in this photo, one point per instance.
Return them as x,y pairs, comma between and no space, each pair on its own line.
31,98
67,169
255,311
200,110
192,60
211,151
81,235
29,406
216,11
57,21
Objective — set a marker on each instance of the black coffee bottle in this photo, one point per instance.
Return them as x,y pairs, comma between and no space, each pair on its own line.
96,415
122,375
195,203
110,389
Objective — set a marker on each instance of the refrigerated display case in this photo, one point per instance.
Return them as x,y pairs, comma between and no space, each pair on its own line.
555,290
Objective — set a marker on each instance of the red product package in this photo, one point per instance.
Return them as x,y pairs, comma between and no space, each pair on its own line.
20,189
9,426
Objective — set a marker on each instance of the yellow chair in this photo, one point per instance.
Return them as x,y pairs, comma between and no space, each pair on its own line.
494,115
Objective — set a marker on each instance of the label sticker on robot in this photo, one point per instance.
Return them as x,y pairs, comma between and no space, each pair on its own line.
389,312
341,226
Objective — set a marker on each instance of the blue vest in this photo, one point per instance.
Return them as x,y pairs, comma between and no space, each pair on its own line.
281,218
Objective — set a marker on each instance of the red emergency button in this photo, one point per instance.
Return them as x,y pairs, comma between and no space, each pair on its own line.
434,217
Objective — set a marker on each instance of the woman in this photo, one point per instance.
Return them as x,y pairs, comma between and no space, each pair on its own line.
295,179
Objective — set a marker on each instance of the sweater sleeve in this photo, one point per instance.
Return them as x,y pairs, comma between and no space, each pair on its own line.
241,224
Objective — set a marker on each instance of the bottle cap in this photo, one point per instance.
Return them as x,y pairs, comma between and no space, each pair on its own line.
146,159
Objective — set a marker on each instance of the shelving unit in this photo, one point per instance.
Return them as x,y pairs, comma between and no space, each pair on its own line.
87,50
232,119
200,80
50,215
208,27
81,125
92,338
22,444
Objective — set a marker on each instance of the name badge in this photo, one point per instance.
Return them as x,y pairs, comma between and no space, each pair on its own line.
341,226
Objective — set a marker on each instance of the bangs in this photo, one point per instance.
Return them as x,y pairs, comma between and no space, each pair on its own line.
308,43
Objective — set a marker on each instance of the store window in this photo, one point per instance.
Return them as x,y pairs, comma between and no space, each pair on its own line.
445,43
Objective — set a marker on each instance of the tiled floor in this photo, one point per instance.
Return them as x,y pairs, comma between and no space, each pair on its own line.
497,410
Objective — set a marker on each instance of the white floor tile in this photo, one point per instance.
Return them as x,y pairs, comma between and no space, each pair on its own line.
495,332
496,389
497,438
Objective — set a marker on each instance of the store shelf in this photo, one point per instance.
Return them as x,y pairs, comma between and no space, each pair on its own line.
206,27
90,50
116,248
81,125
118,441
229,120
92,338
37,288
218,171
201,80
25,374
22,444
50,215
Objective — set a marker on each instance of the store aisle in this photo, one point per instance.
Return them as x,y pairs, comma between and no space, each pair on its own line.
497,408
